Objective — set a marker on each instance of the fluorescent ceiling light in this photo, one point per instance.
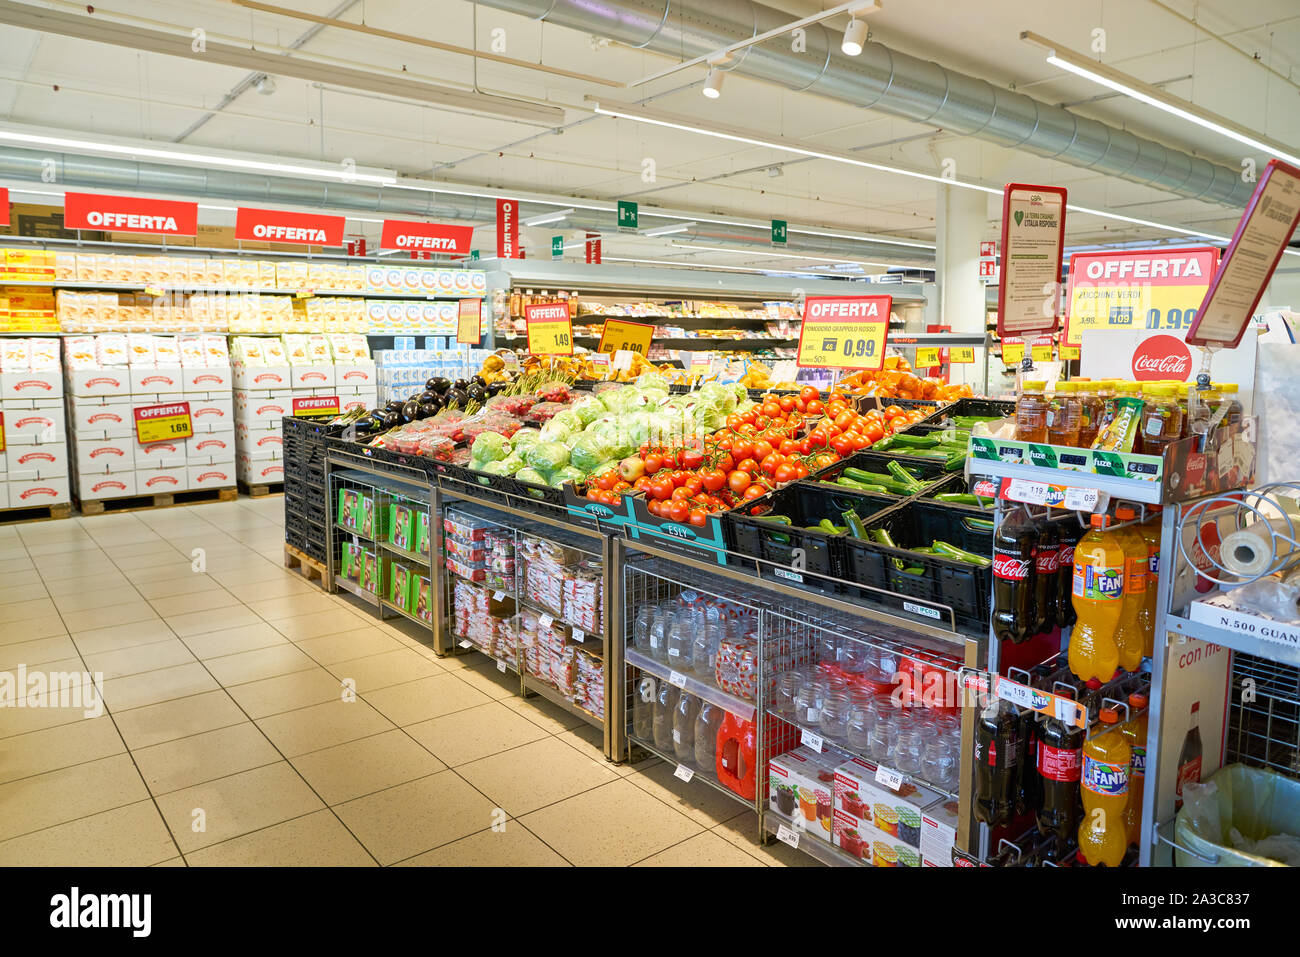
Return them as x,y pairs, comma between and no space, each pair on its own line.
668,230
545,218
1120,82
713,83
775,255
684,264
196,158
855,37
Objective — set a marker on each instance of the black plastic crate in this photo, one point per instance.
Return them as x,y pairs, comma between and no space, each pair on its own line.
805,503
994,407
927,471
865,403
936,580
315,548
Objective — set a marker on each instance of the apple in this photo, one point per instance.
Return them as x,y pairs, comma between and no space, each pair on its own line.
631,468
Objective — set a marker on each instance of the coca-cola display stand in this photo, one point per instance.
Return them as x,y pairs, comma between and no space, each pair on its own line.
1076,483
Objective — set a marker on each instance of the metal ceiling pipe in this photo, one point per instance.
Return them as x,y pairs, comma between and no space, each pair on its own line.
75,171
889,82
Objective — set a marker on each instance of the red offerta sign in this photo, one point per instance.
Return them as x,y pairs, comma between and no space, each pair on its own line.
426,237
508,229
593,248
4,206
129,214
274,226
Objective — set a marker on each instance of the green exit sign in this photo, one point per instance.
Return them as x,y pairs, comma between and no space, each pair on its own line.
778,231
627,215
557,247
473,255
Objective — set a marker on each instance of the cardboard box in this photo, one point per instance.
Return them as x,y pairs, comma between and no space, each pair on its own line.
206,448
311,376
160,380
40,460
259,442
213,475
30,385
95,415
36,492
801,785
105,485
873,847
348,403
156,481
29,426
246,377
206,379
160,455
254,471
107,381
870,806
101,454
212,415
939,833
261,409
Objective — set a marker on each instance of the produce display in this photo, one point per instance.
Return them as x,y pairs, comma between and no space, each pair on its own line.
896,381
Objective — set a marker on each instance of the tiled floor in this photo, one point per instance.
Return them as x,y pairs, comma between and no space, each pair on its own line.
229,737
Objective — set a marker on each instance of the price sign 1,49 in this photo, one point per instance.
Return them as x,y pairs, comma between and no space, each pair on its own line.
550,331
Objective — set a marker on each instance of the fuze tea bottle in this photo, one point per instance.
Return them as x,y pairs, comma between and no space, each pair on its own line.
1031,412
1098,596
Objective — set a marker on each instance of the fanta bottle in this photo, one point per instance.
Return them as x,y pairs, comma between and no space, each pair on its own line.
1128,633
1097,596
1134,731
1104,788
1150,532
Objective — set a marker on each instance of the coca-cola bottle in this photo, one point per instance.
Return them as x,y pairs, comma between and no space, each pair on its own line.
1068,534
1046,574
1014,616
1060,762
1189,759
996,751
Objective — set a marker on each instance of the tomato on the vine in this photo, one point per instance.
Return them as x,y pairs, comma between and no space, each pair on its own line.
738,481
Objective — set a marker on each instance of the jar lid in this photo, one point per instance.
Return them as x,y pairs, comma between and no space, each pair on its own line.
1034,385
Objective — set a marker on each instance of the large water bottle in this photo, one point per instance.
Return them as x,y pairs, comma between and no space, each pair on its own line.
706,737
660,629
643,708
684,714
665,704
681,636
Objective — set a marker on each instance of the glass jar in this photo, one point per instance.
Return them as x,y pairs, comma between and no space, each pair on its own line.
939,762
641,628
684,715
660,629
1031,412
834,719
809,699
787,691
907,750
863,714
883,736
681,640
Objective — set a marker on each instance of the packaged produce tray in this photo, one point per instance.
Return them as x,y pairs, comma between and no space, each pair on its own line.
805,503
707,542
965,587
502,489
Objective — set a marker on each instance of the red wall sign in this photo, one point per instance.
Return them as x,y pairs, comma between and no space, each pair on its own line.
508,230
4,206
593,248
129,214
275,226
430,237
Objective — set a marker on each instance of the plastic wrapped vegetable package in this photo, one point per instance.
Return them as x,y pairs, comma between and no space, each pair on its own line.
547,457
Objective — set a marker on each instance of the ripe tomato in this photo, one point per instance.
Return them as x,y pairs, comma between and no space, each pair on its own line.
753,492
800,404
809,392
747,465
679,511
742,448
805,446
661,487
762,449
874,432
845,419
824,459
749,416
770,464
787,403
771,408
738,481
726,462
800,470
622,487
693,484
681,493
698,517
785,473
692,458
642,483
814,407
653,507
713,479
653,463
679,478
733,420
843,445
788,447
793,420
893,411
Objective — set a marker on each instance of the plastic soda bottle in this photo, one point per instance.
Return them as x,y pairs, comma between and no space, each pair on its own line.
1097,596
1104,787
1134,731
1150,532
1128,634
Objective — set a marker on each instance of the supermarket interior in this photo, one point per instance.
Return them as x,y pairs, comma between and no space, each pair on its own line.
513,433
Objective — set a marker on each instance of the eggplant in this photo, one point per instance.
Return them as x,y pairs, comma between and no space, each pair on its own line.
391,420
429,409
457,397
438,384
476,393
427,396
495,388
480,380
461,384
410,410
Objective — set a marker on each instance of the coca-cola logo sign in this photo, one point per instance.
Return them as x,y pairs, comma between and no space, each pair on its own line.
1010,567
1161,357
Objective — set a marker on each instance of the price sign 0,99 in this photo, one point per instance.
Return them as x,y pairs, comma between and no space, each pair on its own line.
620,335
550,331
844,332
163,423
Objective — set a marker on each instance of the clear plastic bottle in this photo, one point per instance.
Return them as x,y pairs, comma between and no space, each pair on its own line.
1063,415
643,708
1090,411
1162,419
660,628
707,723
665,706
704,646
1031,412
684,715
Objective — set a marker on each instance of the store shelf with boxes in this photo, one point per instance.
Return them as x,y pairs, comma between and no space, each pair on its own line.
34,465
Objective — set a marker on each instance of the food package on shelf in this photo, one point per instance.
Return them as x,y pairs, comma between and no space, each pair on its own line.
583,592
500,560
479,618
465,525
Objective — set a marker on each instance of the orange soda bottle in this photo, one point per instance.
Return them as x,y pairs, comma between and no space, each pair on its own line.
1150,532
1104,787
1128,633
1098,598
1134,731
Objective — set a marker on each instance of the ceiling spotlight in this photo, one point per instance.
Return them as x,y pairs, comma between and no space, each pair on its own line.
713,84
855,36
265,85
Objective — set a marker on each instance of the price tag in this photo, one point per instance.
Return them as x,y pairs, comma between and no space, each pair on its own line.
620,334
546,621
1013,350
927,356
1022,490
579,635
683,773
1019,695
1041,352
1058,496
1082,499
153,291
316,405
469,320
466,644
810,740
501,667
622,360
1070,352
962,355
163,423
304,293
677,679
498,595
550,331
844,332
889,778
787,835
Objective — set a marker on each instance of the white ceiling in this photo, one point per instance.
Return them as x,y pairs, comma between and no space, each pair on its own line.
93,87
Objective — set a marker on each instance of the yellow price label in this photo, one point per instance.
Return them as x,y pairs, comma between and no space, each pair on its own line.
163,423
1070,352
469,322
153,291
1041,353
620,335
926,357
2,431
844,332
1137,289
550,331
961,354
1012,352
304,294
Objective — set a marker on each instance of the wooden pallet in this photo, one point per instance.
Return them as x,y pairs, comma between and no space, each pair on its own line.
261,489
35,513
306,566
132,503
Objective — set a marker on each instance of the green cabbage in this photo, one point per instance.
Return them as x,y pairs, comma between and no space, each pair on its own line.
512,463
525,438
489,447
497,467
619,401
590,450
652,380
531,475
588,410
547,457
570,419
567,474
738,390
556,431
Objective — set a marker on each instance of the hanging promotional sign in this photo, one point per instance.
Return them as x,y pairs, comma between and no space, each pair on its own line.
619,334
426,237
550,331
277,226
1136,289
844,332
4,206
1261,237
508,230
128,214
1033,241
593,248
469,329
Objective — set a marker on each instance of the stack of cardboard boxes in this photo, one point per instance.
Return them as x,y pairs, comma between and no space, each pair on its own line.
33,450
271,372
111,376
